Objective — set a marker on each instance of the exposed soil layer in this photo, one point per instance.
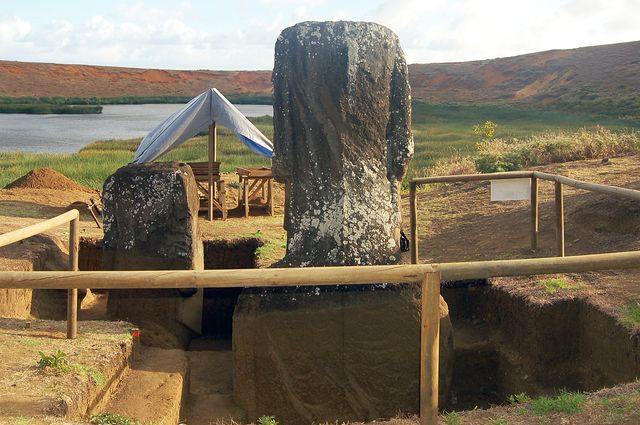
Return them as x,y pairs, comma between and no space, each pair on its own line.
219,304
231,254
90,254
46,178
153,388
505,345
95,360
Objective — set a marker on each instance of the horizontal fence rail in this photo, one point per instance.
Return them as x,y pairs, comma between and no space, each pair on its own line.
558,180
316,276
35,229
73,218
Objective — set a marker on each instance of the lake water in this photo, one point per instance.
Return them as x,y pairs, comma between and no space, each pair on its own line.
69,133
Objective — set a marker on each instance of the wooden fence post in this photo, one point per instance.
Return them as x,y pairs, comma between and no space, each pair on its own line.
429,348
413,222
559,205
535,220
211,158
72,294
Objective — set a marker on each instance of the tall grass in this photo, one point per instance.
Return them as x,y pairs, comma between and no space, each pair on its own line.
445,131
547,148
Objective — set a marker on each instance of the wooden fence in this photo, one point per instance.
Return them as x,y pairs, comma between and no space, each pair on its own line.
558,180
73,218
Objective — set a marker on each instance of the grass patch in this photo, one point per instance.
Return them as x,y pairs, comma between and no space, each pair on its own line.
552,286
267,420
631,315
565,402
20,420
92,373
107,418
521,398
496,155
452,418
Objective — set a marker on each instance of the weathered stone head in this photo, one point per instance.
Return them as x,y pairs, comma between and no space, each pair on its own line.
342,117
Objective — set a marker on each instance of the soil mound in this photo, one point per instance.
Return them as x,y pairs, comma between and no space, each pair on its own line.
46,178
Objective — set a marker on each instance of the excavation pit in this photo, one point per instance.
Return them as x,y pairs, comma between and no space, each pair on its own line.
505,345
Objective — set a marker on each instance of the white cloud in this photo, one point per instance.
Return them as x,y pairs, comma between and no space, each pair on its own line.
241,34
13,29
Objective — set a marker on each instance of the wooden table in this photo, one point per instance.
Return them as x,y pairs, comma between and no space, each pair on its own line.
255,184
218,200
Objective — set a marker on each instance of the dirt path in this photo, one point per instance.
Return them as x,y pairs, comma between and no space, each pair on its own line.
152,390
210,397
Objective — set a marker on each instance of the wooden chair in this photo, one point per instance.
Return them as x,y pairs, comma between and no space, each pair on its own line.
201,174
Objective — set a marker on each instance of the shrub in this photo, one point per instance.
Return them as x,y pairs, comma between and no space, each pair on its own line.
267,420
55,362
513,154
107,418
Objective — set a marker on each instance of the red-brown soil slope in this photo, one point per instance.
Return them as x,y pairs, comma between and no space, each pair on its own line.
600,78
46,79
592,75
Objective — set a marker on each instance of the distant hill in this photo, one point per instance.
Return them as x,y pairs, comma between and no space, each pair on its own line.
604,79
20,79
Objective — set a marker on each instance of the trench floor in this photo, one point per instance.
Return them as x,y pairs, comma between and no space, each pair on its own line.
210,395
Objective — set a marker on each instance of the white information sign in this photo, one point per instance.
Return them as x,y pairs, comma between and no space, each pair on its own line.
510,190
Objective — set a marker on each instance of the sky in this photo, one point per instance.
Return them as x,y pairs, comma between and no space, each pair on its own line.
240,34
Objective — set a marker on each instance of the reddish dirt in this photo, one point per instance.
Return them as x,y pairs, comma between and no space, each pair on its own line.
43,395
46,178
46,79
608,71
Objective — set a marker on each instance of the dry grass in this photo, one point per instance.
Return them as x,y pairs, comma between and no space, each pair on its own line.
548,148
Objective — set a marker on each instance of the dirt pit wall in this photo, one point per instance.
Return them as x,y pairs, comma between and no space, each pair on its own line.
505,345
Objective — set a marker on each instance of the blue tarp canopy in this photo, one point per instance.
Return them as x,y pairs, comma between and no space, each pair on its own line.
202,111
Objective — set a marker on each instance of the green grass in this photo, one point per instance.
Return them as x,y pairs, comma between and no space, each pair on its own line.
565,402
20,420
631,315
107,418
92,373
452,418
440,131
267,420
521,398
552,286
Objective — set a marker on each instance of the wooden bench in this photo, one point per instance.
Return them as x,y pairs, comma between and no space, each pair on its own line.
201,174
252,180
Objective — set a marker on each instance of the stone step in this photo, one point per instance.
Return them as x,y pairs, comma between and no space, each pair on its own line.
153,388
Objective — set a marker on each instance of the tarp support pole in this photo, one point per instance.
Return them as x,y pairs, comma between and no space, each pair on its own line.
212,158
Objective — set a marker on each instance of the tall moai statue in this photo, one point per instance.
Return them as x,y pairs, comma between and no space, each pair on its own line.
343,141
342,115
